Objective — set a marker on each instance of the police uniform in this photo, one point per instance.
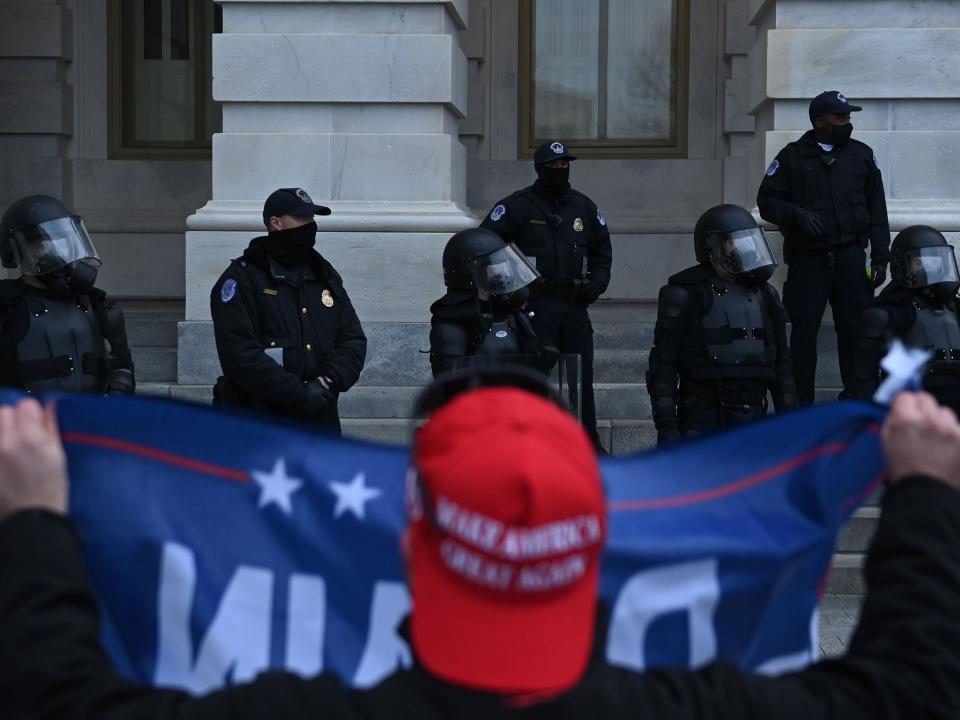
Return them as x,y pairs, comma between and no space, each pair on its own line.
921,308
279,327
563,231
842,190
51,343
917,322
460,330
719,347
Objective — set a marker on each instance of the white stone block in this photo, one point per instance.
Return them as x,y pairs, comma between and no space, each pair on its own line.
394,167
924,165
323,18
875,63
867,14
339,68
251,166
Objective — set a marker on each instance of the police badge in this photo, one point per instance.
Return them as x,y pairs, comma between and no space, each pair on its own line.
578,225
326,298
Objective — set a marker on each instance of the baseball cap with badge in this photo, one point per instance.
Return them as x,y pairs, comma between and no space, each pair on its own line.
831,102
507,521
548,151
291,201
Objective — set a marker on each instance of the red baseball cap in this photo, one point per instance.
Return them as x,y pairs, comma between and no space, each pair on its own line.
507,523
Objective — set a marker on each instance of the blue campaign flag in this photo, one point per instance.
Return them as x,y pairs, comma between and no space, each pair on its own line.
222,545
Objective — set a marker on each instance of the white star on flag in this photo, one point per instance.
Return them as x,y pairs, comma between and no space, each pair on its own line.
276,486
353,496
905,371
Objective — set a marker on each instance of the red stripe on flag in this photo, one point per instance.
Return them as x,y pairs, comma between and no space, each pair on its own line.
731,488
154,454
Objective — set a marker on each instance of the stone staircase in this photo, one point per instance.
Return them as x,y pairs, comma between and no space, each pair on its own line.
397,367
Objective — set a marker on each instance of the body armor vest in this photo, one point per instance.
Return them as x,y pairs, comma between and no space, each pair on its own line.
499,338
62,347
937,330
735,332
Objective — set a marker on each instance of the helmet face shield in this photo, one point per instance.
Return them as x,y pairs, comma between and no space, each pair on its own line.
503,271
922,267
738,253
49,246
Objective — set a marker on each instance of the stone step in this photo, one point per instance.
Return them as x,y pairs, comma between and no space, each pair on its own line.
846,574
615,401
858,532
155,364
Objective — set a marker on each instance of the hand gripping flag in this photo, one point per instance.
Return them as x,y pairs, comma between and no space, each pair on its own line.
222,545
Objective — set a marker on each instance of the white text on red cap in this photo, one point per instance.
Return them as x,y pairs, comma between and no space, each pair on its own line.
518,543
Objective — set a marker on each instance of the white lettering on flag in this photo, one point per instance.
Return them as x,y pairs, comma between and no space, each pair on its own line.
385,650
237,643
693,587
306,624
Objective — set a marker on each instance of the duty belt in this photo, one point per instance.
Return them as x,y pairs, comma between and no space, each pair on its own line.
845,239
724,335
64,366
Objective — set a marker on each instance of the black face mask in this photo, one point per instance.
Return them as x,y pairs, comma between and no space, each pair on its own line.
292,246
554,179
840,134
70,280
503,305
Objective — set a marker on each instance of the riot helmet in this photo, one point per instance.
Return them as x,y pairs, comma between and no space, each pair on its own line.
463,247
729,239
922,259
41,236
505,275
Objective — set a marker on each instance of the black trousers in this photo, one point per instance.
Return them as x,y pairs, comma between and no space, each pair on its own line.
837,276
567,327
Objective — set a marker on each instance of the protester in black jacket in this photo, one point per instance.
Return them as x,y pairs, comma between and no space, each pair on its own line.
287,335
496,651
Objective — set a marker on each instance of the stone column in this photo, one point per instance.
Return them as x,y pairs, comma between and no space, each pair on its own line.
899,60
359,103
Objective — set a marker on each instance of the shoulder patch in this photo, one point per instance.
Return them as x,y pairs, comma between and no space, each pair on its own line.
600,218
498,212
774,166
228,290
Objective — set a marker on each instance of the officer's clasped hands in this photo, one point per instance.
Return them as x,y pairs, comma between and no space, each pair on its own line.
809,222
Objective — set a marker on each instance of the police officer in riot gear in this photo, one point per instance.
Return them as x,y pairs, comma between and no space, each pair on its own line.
482,319
58,333
288,338
720,341
566,237
919,306
825,193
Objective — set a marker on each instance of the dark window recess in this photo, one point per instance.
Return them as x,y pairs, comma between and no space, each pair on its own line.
180,29
153,30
